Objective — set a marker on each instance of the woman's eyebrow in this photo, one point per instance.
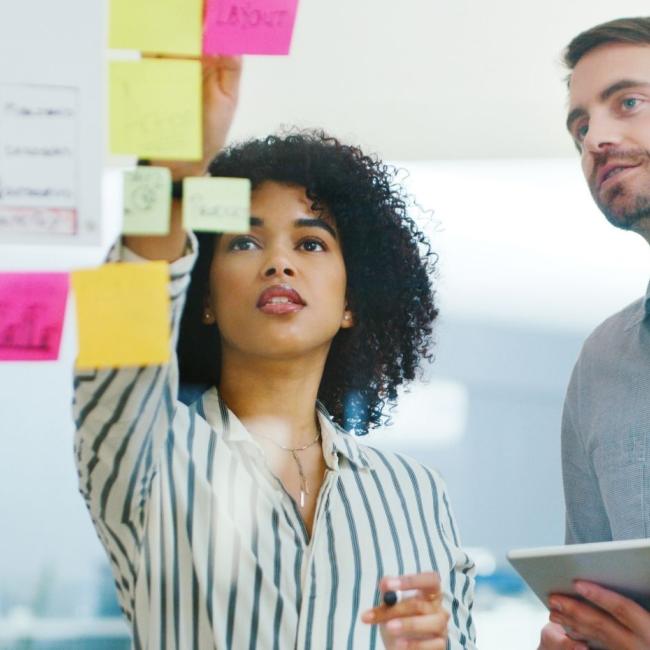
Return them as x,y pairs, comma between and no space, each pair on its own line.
315,223
258,222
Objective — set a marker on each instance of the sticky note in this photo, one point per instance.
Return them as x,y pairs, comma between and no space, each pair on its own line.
250,27
156,26
147,201
217,204
156,109
32,310
122,315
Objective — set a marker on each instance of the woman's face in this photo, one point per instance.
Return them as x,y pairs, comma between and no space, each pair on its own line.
279,291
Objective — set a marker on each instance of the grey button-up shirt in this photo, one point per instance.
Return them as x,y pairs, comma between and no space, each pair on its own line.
606,431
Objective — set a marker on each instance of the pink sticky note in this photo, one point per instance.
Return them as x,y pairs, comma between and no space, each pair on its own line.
32,309
249,26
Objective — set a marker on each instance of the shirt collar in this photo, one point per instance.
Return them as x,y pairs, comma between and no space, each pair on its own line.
336,441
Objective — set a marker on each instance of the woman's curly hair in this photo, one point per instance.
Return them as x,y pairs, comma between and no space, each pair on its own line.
388,260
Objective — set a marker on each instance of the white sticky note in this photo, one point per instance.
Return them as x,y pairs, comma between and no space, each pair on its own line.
217,204
147,201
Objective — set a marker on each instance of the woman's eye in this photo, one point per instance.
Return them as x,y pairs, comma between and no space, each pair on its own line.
312,245
581,132
242,244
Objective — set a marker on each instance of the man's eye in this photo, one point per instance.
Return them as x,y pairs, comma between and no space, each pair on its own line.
581,132
312,245
630,102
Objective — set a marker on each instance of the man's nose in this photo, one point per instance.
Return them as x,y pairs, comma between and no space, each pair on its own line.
604,133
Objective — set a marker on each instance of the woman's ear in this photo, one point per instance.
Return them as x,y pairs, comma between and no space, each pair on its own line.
348,319
208,317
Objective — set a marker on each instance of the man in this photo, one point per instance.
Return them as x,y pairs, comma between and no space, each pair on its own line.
606,420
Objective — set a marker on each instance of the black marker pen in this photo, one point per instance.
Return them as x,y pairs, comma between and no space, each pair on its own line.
393,597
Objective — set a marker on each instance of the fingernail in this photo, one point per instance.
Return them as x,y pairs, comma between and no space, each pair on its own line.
393,583
582,589
395,625
368,617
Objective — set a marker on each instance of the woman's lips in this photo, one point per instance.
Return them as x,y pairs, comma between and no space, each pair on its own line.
280,308
280,299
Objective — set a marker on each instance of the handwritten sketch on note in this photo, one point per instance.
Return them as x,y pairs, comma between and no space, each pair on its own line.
249,26
122,315
147,201
156,26
156,109
32,310
39,155
217,204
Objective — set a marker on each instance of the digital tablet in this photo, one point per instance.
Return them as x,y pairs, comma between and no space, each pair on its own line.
623,567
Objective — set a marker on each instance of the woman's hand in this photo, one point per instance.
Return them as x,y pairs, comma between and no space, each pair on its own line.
418,623
221,77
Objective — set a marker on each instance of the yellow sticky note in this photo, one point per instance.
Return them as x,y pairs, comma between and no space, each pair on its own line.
157,26
217,204
156,109
122,315
147,201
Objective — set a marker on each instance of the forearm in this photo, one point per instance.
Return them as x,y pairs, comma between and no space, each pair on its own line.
168,248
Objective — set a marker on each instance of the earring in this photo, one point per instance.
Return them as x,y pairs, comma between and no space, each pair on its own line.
207,315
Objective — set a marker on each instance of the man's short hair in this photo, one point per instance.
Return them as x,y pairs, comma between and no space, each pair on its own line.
621,30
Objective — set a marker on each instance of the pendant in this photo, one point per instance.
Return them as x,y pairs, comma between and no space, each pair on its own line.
302,498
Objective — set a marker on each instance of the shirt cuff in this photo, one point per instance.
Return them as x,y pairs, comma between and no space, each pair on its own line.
183,265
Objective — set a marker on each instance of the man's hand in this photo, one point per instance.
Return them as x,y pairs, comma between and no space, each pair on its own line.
616,623
221,76
418,623
555,638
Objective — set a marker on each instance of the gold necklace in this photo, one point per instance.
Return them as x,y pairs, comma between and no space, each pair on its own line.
304,487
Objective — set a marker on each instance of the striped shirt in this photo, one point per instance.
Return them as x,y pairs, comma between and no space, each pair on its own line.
209,551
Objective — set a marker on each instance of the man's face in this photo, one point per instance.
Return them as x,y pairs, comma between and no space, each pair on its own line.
609,120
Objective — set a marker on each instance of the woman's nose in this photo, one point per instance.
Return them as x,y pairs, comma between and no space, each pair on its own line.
279,265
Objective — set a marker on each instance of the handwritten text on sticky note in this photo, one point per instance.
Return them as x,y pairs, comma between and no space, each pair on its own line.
122,315
249,27
32,310
156,109
217,204
157,26
39,160
147,201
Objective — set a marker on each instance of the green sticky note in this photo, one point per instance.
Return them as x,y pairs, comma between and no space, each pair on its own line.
147,201
157,26
156,109
217,204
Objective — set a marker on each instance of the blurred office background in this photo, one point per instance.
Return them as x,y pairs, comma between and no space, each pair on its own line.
469,98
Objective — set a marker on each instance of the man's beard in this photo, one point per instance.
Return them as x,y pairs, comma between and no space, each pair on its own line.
627,217
634,208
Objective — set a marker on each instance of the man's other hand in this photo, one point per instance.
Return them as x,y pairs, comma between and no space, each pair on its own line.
615,623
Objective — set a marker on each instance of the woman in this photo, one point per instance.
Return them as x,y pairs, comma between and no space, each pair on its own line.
251,519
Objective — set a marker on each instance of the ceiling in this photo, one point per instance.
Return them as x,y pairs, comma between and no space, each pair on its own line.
426,79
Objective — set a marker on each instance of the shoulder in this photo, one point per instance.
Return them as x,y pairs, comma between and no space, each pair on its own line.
395,465
613,331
